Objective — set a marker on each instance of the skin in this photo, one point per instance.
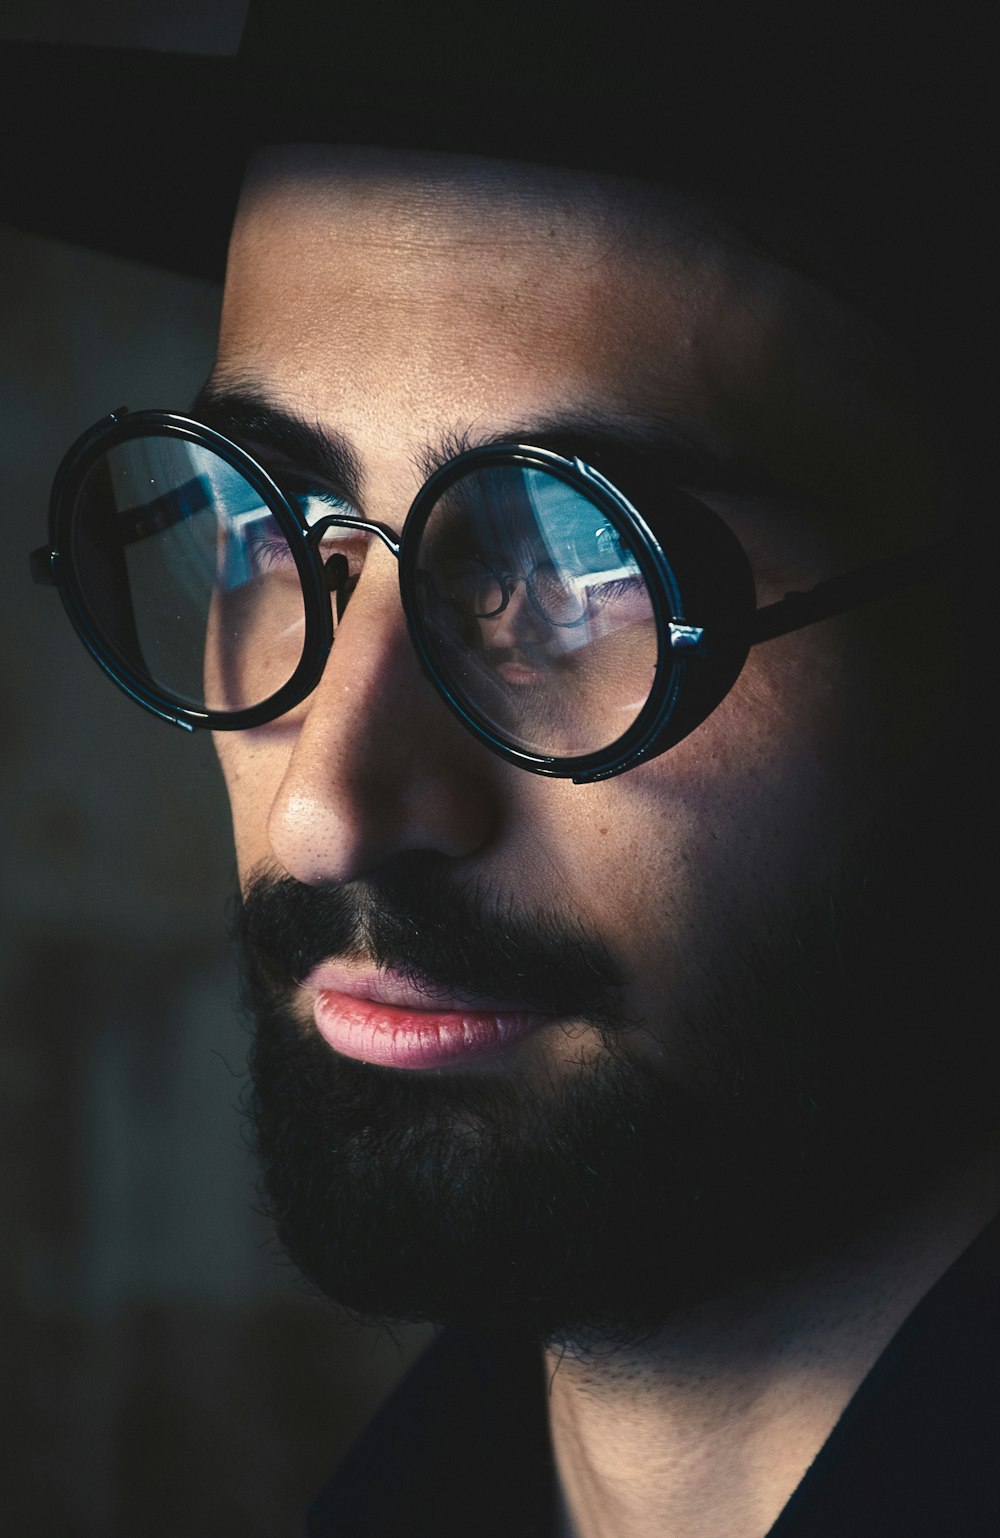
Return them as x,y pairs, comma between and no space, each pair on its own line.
394,298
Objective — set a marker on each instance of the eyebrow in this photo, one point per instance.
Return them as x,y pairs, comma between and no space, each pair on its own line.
675,450
250,418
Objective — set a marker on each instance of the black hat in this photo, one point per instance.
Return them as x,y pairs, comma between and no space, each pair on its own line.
868,127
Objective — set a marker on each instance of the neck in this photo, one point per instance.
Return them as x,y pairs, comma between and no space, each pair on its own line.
707,1428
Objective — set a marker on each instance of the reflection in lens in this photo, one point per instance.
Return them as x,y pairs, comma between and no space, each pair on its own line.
187,574
535,611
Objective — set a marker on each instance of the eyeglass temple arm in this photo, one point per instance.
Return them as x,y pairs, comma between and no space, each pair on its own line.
838,595
854,589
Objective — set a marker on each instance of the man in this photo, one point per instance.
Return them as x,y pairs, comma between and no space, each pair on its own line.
639,1038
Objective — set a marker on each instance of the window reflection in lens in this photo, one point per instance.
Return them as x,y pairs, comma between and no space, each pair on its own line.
536,612
189,572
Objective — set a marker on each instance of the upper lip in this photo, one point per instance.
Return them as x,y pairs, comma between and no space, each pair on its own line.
381,985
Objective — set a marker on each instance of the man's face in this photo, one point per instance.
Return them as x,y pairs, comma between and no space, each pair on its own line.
685,1035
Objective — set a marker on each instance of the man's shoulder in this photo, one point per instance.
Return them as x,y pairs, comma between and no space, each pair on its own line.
916,1449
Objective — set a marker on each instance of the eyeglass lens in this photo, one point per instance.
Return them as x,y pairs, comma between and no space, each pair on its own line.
535,611
188,574
532,608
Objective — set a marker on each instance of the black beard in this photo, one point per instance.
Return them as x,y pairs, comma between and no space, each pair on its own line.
591,1209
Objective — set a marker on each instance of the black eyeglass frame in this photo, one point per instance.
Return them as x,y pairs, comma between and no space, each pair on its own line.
710,647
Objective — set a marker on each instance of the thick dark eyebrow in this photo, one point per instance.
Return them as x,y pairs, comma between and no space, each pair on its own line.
678,453
252,420
675,452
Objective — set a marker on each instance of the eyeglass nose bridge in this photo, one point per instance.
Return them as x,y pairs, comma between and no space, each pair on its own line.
335,568
314,533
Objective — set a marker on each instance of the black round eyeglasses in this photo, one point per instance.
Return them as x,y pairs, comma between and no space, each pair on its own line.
570,632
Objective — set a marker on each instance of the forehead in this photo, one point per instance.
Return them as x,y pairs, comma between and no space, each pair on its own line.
384,250
428,291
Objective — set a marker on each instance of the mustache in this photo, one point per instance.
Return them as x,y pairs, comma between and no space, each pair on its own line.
414,919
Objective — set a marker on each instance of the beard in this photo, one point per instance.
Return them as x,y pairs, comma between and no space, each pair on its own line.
587,1209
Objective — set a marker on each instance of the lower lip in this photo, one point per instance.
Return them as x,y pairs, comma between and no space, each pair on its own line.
395,1037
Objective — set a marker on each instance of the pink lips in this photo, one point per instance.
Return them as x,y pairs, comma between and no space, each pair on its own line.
379,1017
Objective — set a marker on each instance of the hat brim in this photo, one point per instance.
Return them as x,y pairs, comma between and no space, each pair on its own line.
126,151
863,153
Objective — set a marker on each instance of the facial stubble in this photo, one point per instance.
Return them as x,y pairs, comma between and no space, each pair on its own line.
590,1205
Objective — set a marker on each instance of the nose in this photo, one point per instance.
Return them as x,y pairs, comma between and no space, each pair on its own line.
378,766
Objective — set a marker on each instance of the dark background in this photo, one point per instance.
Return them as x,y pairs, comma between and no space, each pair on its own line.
163,1374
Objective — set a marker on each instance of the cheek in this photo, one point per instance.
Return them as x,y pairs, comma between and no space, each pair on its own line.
750,810
253,765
